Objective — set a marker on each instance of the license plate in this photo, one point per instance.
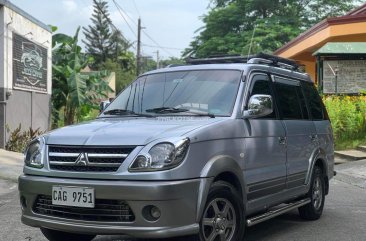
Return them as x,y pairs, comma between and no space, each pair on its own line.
73,196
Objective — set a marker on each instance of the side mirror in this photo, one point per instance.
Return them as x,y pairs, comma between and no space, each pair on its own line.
103,105
259,106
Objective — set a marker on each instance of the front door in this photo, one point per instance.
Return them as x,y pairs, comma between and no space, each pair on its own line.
265,147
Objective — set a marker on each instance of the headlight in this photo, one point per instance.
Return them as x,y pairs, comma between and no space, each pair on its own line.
162,156
34,153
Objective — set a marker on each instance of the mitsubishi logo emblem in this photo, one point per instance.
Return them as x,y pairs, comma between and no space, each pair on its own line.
82,159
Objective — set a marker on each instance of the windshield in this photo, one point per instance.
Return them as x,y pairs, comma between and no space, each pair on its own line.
185,92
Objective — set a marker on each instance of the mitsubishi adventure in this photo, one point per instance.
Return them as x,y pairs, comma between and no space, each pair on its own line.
203,150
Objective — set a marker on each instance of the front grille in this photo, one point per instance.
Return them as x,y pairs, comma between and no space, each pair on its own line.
87,159
105,210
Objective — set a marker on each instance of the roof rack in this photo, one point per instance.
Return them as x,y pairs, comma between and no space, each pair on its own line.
218,60
261,58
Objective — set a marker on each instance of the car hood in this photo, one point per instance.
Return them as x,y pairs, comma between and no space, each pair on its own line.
126,131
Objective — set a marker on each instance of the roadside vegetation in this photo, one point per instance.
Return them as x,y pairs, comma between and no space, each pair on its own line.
348,117
19,139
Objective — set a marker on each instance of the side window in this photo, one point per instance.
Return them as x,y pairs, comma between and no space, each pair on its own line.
261,85
304,107
314,101
288,101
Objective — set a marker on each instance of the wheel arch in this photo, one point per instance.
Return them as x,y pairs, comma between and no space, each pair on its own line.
319,159
220,168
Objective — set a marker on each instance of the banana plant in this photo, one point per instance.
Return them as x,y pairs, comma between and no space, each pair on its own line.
72,89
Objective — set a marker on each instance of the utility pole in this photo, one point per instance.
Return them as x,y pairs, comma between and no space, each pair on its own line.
138,54
157,59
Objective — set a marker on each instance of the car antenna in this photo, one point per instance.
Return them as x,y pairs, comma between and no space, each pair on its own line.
251,40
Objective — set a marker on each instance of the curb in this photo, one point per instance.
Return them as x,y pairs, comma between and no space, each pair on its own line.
355,181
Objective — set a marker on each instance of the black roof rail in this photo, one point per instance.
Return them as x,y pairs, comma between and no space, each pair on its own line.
260,58
223,59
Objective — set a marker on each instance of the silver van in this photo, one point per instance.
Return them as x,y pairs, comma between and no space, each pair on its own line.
206,149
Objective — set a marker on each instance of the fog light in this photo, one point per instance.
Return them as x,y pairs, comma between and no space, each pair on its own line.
151,213
155,212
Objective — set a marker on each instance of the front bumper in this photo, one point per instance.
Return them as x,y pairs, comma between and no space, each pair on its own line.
177,201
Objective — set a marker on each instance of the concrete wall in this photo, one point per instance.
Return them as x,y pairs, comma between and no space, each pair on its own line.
2,117
2,81
30,109
21,106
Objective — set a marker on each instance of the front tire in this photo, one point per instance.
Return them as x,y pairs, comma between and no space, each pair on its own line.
54,235
314,209
223,217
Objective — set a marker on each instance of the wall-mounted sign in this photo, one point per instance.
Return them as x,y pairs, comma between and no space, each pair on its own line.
351,76
29,64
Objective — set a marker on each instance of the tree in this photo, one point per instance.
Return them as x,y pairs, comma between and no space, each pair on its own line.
120,45
74,93
172,60
321,9
124,69
108,46
230,24
98,37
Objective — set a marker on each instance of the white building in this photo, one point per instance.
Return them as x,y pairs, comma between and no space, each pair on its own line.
25,71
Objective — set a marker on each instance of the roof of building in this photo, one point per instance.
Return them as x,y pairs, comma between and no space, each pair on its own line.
342,48
356,15
20,11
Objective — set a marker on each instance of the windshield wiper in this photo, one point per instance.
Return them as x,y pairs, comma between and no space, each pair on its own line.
124,112
161,110
199,113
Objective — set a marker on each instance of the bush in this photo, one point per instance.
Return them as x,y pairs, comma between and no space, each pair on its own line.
348,117
19,139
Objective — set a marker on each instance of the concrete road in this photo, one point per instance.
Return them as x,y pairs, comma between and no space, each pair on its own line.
11,165
344,219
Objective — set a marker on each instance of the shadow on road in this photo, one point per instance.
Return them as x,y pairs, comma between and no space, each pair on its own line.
258,232
272,227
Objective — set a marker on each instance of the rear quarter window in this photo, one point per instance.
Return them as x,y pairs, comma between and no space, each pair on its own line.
316,106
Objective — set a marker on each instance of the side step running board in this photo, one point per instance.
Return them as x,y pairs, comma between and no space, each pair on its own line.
274,213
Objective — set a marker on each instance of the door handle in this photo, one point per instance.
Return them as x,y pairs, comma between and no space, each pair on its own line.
282,140
313,137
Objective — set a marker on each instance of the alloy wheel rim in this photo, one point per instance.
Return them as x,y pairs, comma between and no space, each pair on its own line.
317,194
219,220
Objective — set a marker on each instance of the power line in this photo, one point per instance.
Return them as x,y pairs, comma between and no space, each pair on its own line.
125,12
158,45
112,25
162,47
123,16
144,32
137,9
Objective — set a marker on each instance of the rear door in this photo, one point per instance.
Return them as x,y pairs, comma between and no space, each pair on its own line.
320,118
301,135
265,150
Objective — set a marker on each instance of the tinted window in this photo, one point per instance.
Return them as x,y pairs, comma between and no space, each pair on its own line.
261,85
288,101
304,108
314,101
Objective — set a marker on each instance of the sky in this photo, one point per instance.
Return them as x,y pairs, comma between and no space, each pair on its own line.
170,23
